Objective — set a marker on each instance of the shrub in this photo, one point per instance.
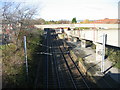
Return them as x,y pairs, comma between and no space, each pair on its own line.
14,75
90,44
113,55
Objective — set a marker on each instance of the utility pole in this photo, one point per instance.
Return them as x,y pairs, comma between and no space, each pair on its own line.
103,53
25,54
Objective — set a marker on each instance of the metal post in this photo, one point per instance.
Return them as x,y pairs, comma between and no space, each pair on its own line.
103,53
25,53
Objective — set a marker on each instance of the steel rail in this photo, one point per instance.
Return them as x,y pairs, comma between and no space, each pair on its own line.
62,81
47,62
69,70
75,66
59,68
83,78
54,63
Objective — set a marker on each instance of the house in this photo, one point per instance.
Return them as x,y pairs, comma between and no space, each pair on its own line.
107,21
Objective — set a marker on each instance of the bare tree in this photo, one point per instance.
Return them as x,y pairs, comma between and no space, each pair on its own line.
17,15
63,22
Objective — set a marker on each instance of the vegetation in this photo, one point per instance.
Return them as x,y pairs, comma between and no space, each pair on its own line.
58,22
16,19
38,21
14,74
86,21
113,54
93,46
13,70
81,28
90,44
74,20
20,18
80,59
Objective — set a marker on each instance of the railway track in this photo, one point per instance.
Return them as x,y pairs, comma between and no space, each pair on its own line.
50,73
59,70
76,78
62,74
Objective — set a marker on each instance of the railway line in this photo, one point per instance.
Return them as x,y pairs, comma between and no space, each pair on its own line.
78,80
59,70
50,73
62,68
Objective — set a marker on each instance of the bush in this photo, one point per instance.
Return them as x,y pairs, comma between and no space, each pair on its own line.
118,64
90,44
93,46
113,55
81,28
80,59
14,75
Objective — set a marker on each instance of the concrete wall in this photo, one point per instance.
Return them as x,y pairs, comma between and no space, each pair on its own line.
119,37
113,34
112,37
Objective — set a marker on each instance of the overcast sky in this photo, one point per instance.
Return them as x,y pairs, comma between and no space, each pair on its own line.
81,9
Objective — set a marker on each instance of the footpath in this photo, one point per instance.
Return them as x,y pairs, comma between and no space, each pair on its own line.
111,76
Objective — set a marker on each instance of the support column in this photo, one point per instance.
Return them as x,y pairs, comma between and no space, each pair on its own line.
98,52
83,43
